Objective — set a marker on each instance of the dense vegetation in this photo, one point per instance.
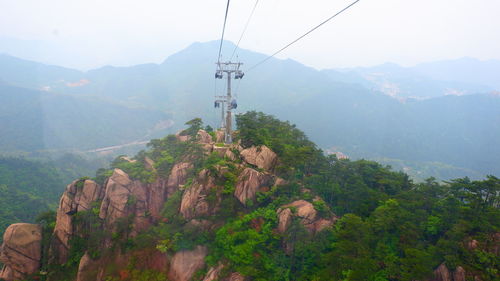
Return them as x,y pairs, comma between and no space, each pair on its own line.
389,228
17,206
33,177
27,188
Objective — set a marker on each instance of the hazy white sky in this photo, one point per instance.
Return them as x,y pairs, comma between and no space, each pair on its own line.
91,33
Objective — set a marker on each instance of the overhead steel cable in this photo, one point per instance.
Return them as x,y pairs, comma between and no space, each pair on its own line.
244,29
223,29
304,35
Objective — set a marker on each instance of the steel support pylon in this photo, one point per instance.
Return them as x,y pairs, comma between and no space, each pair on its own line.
228,68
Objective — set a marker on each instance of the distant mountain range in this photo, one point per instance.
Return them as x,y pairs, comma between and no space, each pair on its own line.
427,80
444,112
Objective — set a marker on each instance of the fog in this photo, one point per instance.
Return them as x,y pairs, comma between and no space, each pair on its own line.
88,34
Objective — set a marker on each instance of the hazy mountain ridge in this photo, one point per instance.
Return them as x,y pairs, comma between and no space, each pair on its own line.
340,109
426,80
29,74
35,120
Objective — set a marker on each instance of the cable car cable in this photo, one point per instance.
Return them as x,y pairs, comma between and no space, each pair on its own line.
223,29
304,35
244,29
239,40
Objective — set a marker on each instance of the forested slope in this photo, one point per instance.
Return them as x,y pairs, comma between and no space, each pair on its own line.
30,186
27,188
270,207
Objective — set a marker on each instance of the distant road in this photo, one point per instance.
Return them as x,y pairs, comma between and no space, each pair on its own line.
117,146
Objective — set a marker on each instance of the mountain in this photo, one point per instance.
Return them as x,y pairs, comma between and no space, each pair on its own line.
460,130
454,77
270,206
342,110
36,120
29,74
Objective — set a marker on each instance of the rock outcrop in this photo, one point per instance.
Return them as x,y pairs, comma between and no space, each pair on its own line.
459,274
182,138
249,182
235,276
472,244
205,140
86,269
178,177
122,198
204,137
284,219
149,164
219,136
21,251
261,156
442,273
495,249
194,200
127,198
213,273
185,263
78,196
224,152
308,216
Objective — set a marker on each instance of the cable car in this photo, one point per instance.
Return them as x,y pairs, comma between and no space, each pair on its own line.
218,74
239,74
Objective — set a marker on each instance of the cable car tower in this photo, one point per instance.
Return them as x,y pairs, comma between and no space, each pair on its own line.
229,68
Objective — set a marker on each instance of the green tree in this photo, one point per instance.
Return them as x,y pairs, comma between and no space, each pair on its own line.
195,125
